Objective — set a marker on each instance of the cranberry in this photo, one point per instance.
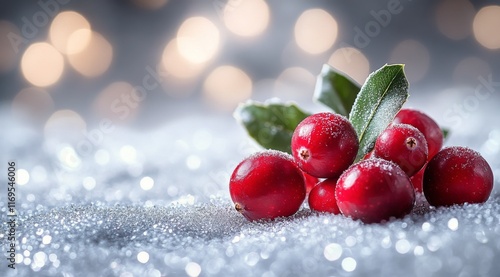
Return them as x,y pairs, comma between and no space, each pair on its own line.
404,145
322,197
457,175
267,185
374,190
324,145
425,124
311,181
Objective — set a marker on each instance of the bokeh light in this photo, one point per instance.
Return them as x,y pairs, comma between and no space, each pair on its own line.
415,56
69,158
315,31
294,83
42,65
454,17
78,41
349,264
143,257
10,40
193,162
150,4
89,183
246,18
119,102
70,32
23,176
95,59
147,183
352,62
176,65
128,154
32,104
193,269
102,157
226,86
198,39
469,69
65,122
486,25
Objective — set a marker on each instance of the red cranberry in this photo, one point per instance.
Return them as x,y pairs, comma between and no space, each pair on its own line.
322,197
267,185
374,190
425,124
457,175
404,145
324,145
311,181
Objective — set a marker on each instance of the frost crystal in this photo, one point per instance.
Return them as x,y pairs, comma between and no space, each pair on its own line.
174,216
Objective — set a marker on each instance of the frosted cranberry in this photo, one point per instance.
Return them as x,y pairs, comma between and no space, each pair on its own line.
457,175
310,181
374,190
267,185
324,145
322,197
404,145
425,124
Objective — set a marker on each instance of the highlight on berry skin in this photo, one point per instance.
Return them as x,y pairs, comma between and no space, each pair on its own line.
324,145
404,145
457,175
267,185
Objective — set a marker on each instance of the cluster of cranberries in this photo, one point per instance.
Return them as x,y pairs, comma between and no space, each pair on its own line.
406,158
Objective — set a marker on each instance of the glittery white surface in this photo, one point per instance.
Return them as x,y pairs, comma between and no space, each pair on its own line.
157,204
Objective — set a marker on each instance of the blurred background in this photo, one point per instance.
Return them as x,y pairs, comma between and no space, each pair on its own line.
100,80
130,102
142,63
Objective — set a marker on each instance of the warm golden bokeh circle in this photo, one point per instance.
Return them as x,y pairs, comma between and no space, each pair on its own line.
415,56
226,86
315,31
454,18
246,18
63,28
95,59
486,27
198,39
352,62
176,65
41,64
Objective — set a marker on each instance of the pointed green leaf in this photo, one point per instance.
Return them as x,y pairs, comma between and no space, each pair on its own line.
379,100
271,125
335,90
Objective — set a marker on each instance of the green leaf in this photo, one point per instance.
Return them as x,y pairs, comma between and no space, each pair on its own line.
335,90
270,124
446,133
379,100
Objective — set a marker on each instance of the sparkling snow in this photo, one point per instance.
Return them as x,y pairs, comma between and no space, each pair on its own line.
158,205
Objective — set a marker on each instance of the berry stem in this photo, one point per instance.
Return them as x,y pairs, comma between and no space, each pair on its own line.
304,154
238,207
411,142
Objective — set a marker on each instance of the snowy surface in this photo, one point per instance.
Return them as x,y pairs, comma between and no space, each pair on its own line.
156,203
